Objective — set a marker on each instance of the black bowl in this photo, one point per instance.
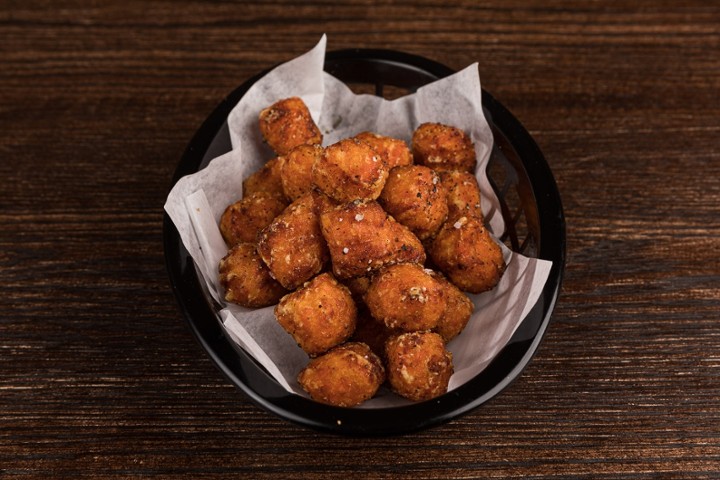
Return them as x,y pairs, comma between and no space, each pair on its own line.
535,227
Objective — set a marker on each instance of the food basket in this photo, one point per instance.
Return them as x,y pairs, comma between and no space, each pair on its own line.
534,226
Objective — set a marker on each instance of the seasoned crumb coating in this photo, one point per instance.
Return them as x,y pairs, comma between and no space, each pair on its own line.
286,124
362,238
465,252
406,297
350,170
443,147
242,220
296,170
319,315
292,246
457,313
463,194
265,180
247,280
345,376
358,287
418,365
415,196
394,151
372,332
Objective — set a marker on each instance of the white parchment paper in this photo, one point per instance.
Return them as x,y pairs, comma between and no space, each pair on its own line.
197,201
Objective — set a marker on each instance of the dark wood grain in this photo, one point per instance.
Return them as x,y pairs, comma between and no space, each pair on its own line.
100,376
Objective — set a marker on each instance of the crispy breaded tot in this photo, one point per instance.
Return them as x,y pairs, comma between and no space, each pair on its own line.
350,170
242,220
418,365
246,279
394,151
463,194
292,246
457,313
406,297
319,315
358,287
374,333
415,196
286,124
265,180
465,252
443,147
345,376
362,238
296,170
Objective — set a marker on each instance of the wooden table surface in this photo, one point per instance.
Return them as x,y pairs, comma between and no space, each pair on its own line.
100,375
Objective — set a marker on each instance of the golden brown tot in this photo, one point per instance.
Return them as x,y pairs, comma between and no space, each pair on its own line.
362,238
463,194
247,280
345,376
465,252
406,297
443,147
415,196
286,124
418,365
374,333
394,151
292,246
242,220
350,170
319,315
358,287
265,180
296,170
457,313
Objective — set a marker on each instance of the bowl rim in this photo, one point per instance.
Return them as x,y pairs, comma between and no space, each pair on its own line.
246,374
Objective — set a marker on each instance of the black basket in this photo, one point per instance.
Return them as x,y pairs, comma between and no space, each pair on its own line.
534,222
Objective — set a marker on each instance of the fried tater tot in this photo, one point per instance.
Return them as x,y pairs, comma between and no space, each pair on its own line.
443,147
465,252
358,287
394,151
463,194
296,170
350,170
418,365
372,332
406,297
292,246
362,238
286,124
266,180
415,196
247,280
345,376
319,315
242,220
457,313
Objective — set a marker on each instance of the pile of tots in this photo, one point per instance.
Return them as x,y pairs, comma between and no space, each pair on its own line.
366,246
